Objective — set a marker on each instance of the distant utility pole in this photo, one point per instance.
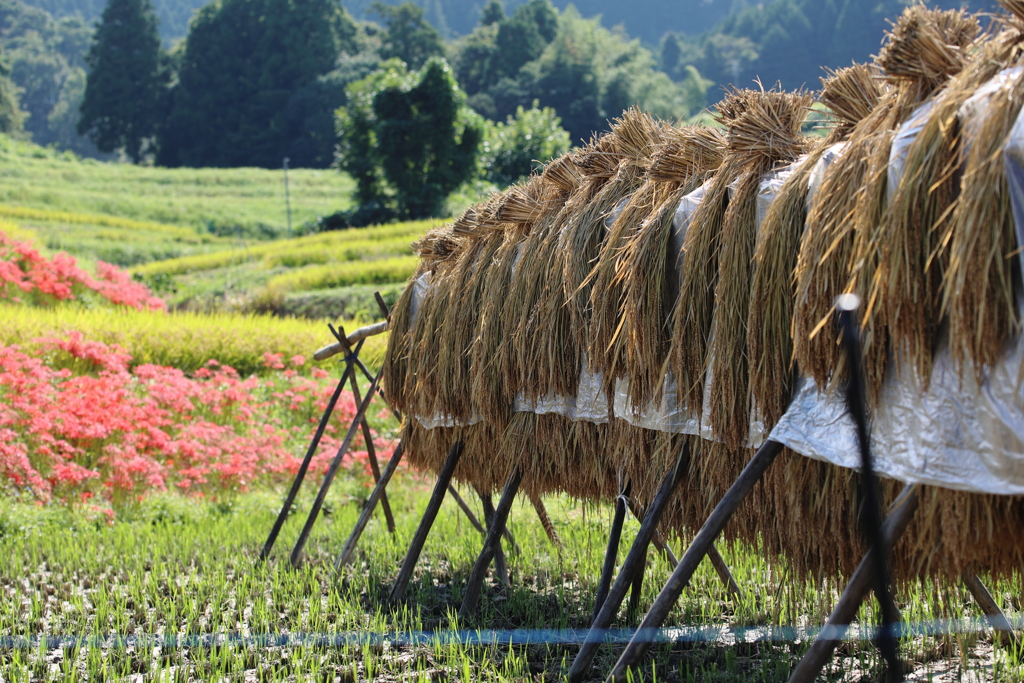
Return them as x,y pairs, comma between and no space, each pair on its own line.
287,197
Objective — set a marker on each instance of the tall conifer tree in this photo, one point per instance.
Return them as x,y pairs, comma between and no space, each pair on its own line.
127,83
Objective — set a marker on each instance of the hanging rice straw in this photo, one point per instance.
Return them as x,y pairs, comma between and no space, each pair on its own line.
648,270
979,286
766,133
850,93
836,252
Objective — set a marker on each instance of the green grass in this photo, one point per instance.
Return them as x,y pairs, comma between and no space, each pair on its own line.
230,203
188,567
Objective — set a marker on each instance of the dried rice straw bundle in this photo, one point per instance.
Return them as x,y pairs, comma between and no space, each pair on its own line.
979,287
904,291
427,449
397,363
648,273
557,455
850,93
836,251
764,134
606,281
950,534
635,136
493,386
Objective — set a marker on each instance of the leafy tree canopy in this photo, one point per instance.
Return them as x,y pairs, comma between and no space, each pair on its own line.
408,139
125,93
242,63
407,35
517,147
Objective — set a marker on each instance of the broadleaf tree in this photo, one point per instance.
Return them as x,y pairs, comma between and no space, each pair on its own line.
242,63
125,91
408,139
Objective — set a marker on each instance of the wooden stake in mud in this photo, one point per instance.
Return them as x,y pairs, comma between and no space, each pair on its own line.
750,475
636,557
635,589
429,515
863,579
996,619
476,577
500,567
304,467
612,552
371,503
296,555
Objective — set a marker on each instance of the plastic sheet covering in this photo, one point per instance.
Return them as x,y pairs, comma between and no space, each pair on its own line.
818,173
957,434
905,136
668,415
589,405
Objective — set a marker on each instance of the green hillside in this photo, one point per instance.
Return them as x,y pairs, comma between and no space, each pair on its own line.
192,210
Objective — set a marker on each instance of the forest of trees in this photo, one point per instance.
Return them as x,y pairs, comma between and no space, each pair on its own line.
249,82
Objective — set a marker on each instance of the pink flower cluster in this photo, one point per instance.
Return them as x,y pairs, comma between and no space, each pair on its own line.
76,421
24,272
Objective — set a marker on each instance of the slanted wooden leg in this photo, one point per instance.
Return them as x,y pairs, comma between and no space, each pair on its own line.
474,585
856,590
304,467
996,619
314,512
500,567
634,592
465,509
612,552
371,453
750,475
636,557
371,503
429,515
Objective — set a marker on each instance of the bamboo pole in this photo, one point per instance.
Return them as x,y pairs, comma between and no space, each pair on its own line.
996,619
304,467
641,640
465,509
358,335
474,584
329,477
500,568
856,590
429,515
637,555
371,503
612,551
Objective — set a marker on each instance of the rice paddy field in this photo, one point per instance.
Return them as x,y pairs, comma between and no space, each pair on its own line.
172,590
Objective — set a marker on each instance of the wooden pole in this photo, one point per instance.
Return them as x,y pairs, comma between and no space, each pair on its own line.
717,561
304,467
360,334
996,619
750,475
612,551
634,592
637,556
513,546
499,557
465,509
545,521
371,503
475,583
296,555
371,453
856,590
429,515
